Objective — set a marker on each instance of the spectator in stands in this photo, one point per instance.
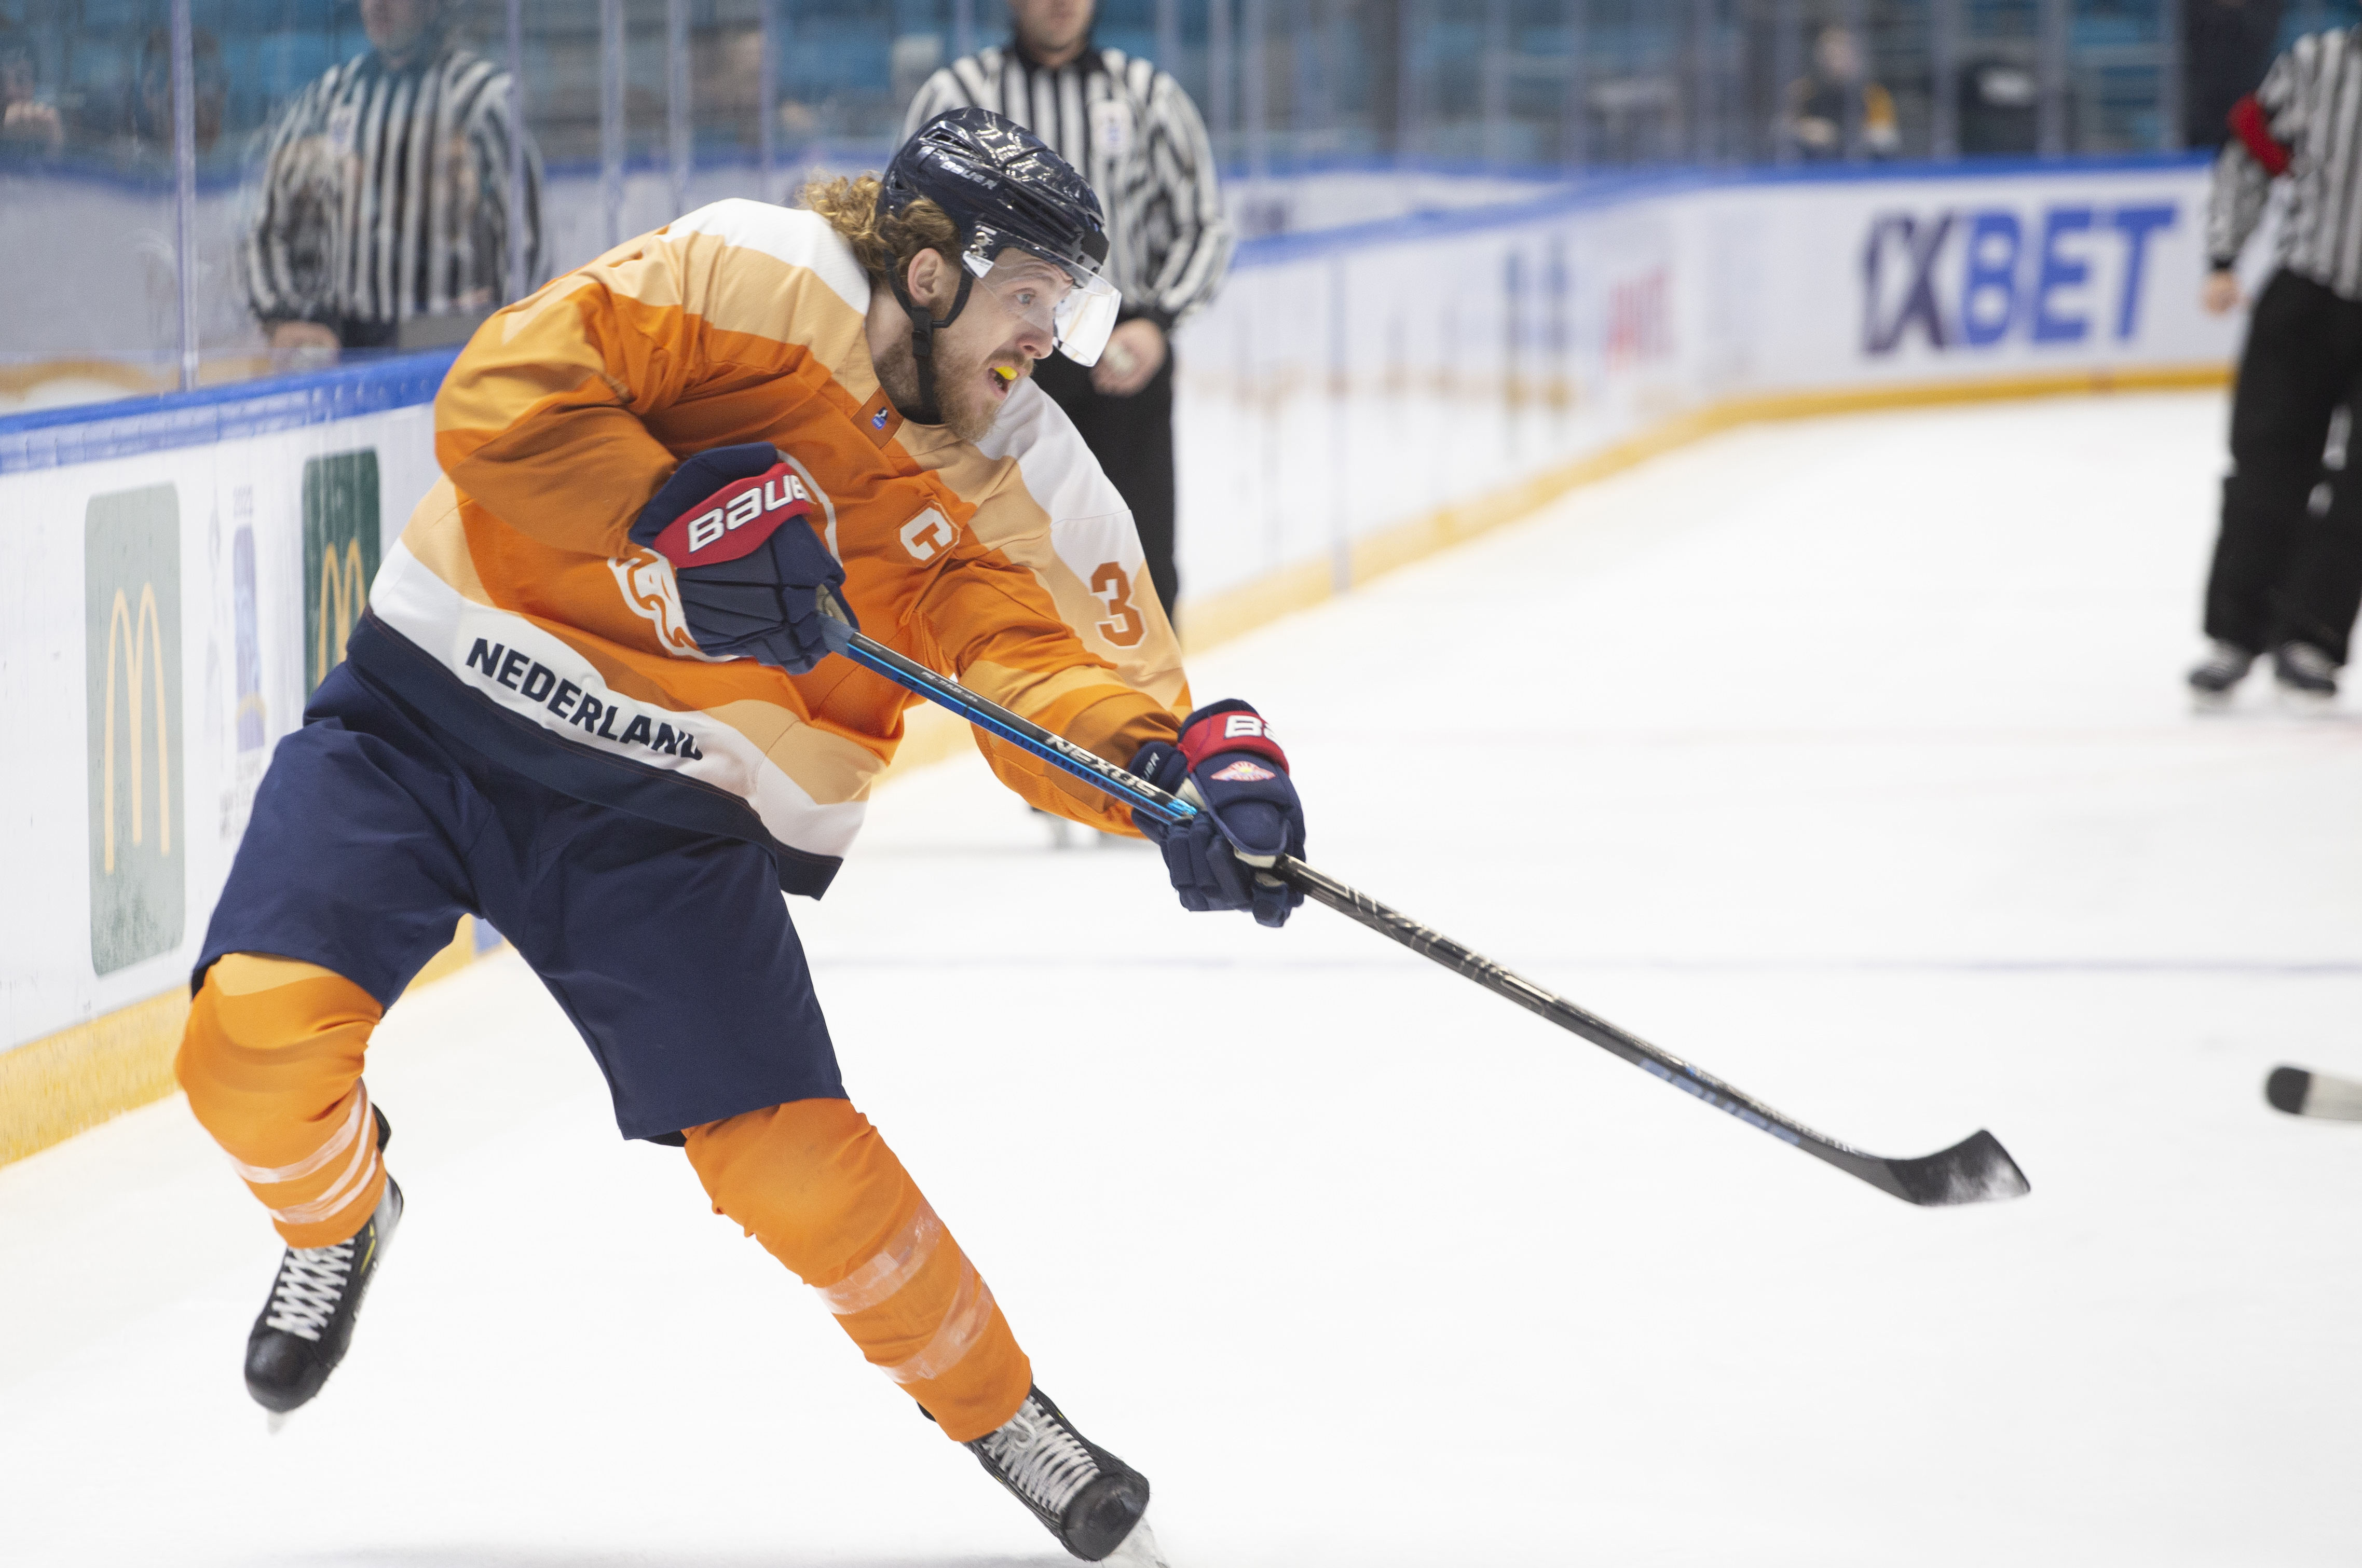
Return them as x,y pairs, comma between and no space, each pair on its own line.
1135,136
151,106
2226,46
2001,108
27,124
1837,111
383,217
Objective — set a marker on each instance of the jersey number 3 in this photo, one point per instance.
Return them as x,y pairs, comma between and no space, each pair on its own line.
1123,627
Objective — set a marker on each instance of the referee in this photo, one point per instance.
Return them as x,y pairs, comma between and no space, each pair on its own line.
2284,580
384,218
1134,135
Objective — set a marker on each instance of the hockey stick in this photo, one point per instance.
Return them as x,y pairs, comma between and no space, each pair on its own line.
2302,1093
1975,1170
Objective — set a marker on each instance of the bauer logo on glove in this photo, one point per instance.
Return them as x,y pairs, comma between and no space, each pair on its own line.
735,522
719,533
1227,765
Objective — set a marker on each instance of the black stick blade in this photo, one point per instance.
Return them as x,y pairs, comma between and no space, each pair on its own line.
1977,1169
2286,1089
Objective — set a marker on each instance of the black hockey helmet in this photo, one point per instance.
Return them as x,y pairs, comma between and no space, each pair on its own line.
1002,186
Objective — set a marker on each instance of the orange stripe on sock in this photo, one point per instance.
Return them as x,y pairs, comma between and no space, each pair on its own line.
816,1185
272,1060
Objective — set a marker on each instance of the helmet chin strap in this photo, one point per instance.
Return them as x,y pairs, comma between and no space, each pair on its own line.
929,410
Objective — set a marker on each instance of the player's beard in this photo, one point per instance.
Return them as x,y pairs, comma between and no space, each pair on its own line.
968,407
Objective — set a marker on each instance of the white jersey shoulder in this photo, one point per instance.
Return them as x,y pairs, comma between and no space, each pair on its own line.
791,235
1060,472
1089,525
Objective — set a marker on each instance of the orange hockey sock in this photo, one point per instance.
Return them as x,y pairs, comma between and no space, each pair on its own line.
271,1061
815,1184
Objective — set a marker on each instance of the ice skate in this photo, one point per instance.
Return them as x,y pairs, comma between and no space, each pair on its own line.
1092,1501
2212,682
306,1324
2306,678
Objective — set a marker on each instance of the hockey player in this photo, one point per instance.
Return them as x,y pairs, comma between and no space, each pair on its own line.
590,702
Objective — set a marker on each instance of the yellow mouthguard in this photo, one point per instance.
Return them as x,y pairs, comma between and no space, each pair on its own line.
1006,375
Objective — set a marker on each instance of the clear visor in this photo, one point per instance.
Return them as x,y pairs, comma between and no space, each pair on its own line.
1077,311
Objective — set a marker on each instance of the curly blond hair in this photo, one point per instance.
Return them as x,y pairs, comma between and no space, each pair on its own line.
885,243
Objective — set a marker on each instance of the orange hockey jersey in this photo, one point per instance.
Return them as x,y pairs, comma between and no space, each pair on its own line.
516,612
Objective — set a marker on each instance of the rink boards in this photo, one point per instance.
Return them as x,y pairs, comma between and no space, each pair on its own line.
188,566
1375,379
187,569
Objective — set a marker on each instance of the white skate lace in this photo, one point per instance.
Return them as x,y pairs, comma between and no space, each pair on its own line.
1046,1464
311,1283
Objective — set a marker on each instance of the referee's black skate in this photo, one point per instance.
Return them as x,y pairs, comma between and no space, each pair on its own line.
1092,1501
307,1323
2224,667
2306,676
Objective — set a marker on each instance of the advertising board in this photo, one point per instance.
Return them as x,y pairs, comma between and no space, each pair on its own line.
132,675
1347,383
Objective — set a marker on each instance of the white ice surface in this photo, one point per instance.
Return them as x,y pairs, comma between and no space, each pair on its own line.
1849,759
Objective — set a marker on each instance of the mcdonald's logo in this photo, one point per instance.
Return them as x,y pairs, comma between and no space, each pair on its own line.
129,633
340,554
131,583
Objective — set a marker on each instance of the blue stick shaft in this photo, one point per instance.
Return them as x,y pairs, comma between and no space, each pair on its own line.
1056,750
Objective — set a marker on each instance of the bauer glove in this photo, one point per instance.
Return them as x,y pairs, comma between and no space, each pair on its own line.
736,524
1228,766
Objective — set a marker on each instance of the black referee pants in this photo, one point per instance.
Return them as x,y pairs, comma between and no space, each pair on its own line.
2281,573
1132,439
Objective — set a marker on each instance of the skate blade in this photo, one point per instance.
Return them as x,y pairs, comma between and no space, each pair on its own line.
2209,702
2305,704
273,1420
1138,1550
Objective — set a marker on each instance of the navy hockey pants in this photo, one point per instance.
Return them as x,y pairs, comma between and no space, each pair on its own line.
671,951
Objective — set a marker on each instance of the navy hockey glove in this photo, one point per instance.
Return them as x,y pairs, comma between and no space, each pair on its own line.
1228,766
736,524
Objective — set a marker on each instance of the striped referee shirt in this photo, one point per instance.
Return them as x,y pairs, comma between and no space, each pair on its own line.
2303,123
1128,129
385,195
